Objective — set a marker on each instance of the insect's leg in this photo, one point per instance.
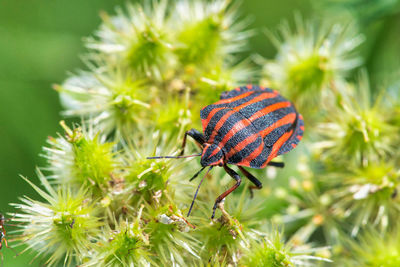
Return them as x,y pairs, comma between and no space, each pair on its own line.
254,180
235,176
6,243
196,135
276,164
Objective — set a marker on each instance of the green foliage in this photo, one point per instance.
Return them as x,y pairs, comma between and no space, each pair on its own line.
150,68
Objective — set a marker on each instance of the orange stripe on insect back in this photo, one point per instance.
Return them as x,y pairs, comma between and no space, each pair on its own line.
215,151
242,144
285,120
253,155
278,144
269,109
258,98
230,100
205,122
235,128
219,124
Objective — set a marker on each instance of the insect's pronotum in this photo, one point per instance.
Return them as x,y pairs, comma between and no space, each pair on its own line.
247,127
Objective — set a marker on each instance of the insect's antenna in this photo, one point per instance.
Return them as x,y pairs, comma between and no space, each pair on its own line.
197,174
174,157
195,195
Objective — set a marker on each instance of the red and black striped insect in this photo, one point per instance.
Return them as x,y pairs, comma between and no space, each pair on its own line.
247,127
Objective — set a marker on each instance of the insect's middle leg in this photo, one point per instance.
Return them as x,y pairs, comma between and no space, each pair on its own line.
254,180
238,180
196,135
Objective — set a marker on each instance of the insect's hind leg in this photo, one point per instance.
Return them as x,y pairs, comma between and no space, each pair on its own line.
254,180
196,135
276,164
238,180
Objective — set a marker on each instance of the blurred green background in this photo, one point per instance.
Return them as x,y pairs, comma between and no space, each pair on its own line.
41,41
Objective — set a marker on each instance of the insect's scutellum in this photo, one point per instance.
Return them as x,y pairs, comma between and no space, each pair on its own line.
247,127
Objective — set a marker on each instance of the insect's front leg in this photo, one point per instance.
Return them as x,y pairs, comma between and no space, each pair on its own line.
238,180
196,135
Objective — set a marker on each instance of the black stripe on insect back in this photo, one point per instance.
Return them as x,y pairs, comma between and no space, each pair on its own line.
259,161
213,121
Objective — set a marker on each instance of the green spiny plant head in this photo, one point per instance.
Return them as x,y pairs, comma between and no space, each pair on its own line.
359,131
311,59
93,161
81,158
110,100
169,234
376,249
125,102
126,244
222,78
308,75
208,32
225,238
149,175
61,227
139,40
268,254
170,117
269,250
368,195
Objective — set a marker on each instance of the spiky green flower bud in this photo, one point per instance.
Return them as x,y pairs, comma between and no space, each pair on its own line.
62,227
368,195
271,251
311,59
81,158
360,129
139,40
376,249
111,101
124,245
208,32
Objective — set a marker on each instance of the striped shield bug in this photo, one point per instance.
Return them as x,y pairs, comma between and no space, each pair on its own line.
247,127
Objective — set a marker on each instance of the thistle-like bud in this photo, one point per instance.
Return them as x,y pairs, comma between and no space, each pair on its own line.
311,59
62,227
139,40
270,251
81,158
359,129
112,101
208,33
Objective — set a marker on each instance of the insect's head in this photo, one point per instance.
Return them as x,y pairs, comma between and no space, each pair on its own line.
2,219
212,155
